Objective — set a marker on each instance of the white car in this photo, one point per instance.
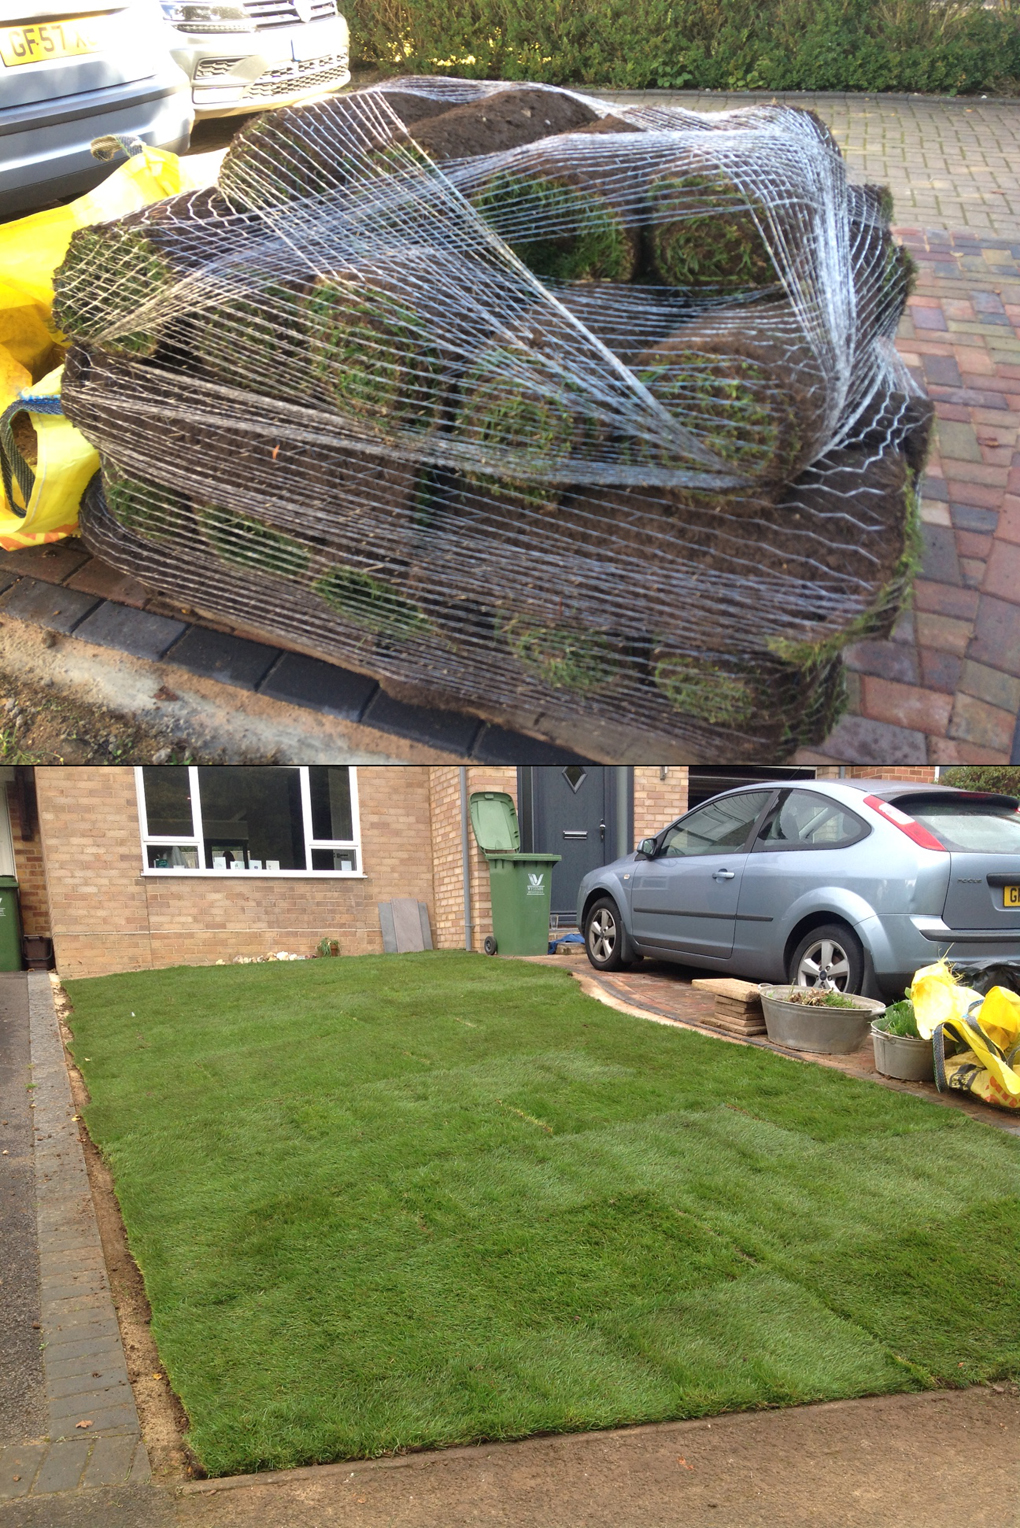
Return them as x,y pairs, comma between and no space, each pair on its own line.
249,54
74,71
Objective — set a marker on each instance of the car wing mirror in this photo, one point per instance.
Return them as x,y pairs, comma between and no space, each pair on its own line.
647,847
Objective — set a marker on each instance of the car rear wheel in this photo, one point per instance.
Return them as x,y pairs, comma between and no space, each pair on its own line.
604,939
830,956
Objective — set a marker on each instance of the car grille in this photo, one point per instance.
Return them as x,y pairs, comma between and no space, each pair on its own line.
289,79
210,67
283,13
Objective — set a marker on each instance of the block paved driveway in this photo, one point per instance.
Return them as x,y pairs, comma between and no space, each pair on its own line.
946,688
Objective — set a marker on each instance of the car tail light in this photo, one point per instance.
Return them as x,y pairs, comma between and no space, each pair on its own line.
907,825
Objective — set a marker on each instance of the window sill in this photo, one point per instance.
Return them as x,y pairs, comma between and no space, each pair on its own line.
181,872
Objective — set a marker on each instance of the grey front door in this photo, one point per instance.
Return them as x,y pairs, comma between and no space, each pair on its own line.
574,812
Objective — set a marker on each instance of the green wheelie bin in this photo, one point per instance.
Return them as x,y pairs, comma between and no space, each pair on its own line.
520,883
10,925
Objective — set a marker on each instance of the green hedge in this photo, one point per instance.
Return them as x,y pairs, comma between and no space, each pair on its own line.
932,46
979,778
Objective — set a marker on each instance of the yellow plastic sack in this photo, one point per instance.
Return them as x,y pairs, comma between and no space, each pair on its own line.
937,996
983,1034
38,490
31,352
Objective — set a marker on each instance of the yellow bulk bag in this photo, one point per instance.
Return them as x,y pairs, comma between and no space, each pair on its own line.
41,496
937,996
44,507
975,1039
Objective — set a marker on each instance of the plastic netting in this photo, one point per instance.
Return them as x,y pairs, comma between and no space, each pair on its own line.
520,401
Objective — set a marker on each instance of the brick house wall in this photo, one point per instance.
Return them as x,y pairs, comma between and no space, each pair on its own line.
107,916
922,774
657,800
81,878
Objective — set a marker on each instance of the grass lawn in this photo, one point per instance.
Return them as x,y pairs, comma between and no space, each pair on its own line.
411,1200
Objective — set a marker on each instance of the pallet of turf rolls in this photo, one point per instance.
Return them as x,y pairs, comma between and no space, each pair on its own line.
583,418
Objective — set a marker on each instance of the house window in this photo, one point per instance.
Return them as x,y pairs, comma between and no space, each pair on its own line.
255,820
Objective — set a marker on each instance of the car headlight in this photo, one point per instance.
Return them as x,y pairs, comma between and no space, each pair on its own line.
206,18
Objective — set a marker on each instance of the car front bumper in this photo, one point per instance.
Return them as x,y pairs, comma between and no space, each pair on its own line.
45,147
234,72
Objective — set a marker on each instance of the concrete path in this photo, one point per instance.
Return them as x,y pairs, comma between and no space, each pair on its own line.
71,1421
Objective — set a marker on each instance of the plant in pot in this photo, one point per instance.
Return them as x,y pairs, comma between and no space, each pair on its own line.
815,1019
899,1049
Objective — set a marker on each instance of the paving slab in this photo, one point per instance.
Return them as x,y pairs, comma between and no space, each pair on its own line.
137,632
443,729
217,655
45,604
306,681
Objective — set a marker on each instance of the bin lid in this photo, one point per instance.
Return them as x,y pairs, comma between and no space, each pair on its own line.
494,819
8,883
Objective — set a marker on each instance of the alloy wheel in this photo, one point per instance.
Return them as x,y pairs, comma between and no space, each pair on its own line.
602,935
825,964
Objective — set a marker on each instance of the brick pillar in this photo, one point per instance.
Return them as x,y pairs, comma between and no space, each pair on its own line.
29,869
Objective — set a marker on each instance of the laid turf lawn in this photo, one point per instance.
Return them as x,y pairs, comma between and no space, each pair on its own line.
411,1200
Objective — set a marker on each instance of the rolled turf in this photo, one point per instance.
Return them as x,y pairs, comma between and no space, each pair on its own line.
705,231
559,219
111,270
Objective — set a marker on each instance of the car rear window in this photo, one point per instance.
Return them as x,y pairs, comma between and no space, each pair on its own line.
806,820
971,827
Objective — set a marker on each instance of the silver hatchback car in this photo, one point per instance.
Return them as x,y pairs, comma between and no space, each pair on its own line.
851,884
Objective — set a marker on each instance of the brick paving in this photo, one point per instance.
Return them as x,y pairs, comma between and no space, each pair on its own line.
945,688
92,1435
950,162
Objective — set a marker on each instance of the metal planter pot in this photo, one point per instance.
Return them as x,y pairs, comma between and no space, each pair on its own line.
825,1031
902,1056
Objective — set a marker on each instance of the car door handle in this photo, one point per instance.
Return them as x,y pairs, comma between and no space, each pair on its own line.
723,875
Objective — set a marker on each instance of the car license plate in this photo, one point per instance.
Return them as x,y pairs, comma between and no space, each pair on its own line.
1011,896
51,39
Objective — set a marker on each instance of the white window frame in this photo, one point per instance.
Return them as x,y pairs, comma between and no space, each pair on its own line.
197,841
